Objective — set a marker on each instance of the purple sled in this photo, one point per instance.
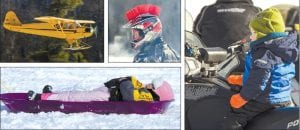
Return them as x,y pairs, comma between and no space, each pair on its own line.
18,102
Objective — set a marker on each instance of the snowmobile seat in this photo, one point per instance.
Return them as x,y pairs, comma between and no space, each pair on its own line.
273,119
208,113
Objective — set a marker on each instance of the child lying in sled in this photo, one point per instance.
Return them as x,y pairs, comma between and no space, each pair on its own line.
118,89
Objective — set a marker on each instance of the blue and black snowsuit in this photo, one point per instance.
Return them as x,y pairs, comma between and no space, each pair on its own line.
269,69
156,51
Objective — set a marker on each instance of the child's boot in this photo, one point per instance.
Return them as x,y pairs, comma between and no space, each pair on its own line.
33,96
47,89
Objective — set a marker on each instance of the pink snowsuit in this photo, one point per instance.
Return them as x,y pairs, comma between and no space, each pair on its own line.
99,94
128,91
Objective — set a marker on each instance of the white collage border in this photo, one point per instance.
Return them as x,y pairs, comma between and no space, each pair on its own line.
120,65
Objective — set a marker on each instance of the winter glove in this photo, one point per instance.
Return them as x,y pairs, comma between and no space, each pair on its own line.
237,101
235,80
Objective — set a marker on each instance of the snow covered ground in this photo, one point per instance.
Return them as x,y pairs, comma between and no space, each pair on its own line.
65,79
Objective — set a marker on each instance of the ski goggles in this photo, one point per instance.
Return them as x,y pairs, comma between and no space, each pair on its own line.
137,34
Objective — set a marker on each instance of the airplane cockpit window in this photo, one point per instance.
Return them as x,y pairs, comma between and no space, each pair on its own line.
69,26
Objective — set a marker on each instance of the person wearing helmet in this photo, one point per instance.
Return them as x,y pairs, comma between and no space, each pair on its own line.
225,22
118,89
146,32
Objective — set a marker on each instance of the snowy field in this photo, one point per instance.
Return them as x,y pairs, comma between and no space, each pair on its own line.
66,79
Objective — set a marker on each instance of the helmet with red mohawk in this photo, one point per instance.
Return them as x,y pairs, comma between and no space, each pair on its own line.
144,23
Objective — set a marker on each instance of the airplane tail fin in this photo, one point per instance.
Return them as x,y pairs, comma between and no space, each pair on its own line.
11,19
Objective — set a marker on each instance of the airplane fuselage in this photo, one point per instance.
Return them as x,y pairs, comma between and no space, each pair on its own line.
56,31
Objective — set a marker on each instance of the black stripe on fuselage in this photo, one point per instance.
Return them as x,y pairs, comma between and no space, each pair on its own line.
52,30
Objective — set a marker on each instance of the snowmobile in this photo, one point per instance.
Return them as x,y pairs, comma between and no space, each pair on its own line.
18,102
207,91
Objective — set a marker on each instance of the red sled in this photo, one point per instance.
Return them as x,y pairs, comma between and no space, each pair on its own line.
18,102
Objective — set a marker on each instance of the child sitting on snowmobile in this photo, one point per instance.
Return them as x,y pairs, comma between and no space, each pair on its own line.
146,31
118,89
268,72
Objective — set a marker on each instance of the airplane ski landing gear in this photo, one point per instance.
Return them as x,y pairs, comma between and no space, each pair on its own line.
77,46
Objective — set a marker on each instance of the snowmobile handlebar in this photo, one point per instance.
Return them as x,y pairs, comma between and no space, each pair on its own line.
238,47
206,62
213,55
209,61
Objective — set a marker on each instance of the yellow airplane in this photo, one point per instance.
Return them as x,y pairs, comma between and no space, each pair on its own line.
70,30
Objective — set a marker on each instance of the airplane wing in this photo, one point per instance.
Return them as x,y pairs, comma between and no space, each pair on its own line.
50,19
85,21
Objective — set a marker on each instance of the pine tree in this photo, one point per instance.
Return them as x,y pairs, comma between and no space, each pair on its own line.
61,8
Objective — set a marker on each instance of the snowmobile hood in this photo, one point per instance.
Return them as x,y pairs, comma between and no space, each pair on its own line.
231,1
280,44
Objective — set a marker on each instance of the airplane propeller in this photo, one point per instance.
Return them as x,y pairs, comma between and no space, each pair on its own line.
94,30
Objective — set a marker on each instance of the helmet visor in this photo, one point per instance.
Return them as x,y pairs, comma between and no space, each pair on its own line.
137,35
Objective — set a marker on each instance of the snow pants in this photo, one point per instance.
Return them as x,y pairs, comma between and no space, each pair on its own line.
236,119
99,94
